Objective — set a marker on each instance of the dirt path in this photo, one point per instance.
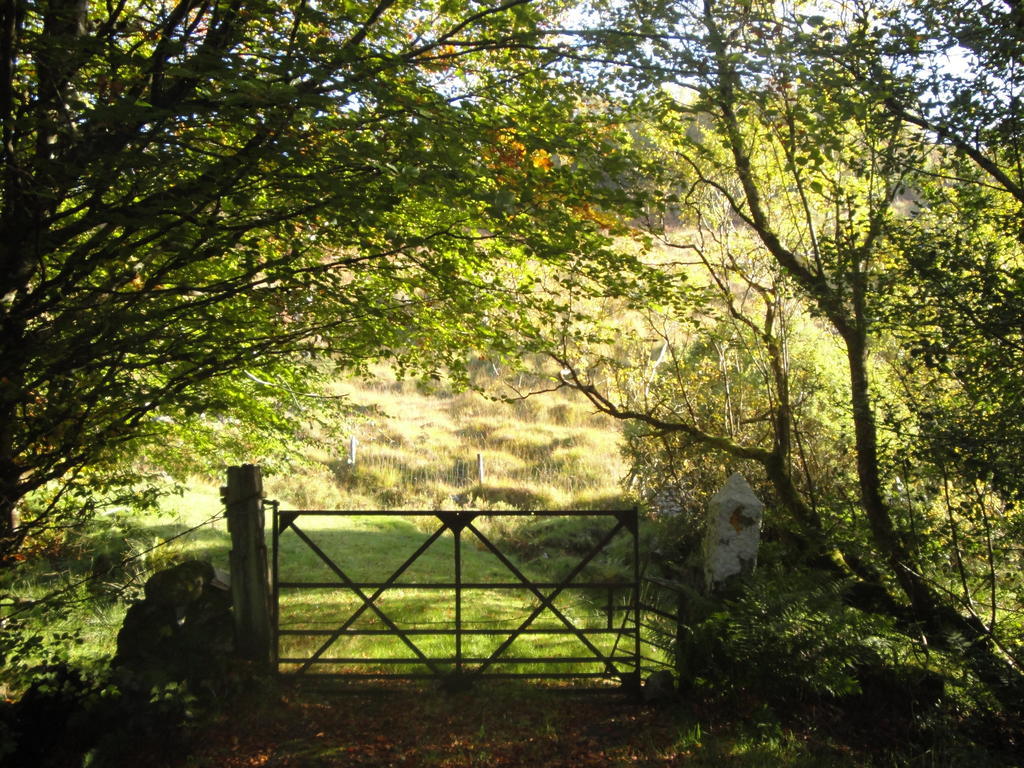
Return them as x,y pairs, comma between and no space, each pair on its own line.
496,726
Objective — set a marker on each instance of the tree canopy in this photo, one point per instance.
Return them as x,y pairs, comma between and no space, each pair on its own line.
204,201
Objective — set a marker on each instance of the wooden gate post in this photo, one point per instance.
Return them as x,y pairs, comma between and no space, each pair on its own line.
250,576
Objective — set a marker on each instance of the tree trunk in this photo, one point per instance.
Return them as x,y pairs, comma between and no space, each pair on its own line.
944,626
10,539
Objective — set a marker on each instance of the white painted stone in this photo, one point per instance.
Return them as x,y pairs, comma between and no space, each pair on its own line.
734,532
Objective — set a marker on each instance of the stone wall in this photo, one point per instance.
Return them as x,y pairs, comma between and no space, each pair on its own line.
182,630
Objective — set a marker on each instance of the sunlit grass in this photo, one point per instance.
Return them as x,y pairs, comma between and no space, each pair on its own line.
417,448
75,598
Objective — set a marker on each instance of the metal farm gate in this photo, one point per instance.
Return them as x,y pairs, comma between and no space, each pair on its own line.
461,633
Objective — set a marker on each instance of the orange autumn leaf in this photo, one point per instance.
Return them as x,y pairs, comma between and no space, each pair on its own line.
542,159
440,59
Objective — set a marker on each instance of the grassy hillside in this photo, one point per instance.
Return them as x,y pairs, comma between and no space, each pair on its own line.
417,449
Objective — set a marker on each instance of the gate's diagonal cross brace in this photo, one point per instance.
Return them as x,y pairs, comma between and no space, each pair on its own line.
547,601
457,522
368,602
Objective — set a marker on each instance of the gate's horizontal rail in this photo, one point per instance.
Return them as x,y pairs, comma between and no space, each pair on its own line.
490,675
466,512
485,632
465,660
451,584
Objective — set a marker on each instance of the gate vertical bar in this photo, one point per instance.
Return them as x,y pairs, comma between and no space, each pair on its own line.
275,605
636,594
458,601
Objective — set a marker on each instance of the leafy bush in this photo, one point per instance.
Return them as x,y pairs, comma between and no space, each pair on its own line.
787,638
71,716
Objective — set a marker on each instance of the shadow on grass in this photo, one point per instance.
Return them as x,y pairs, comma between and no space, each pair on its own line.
159,542
498,724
